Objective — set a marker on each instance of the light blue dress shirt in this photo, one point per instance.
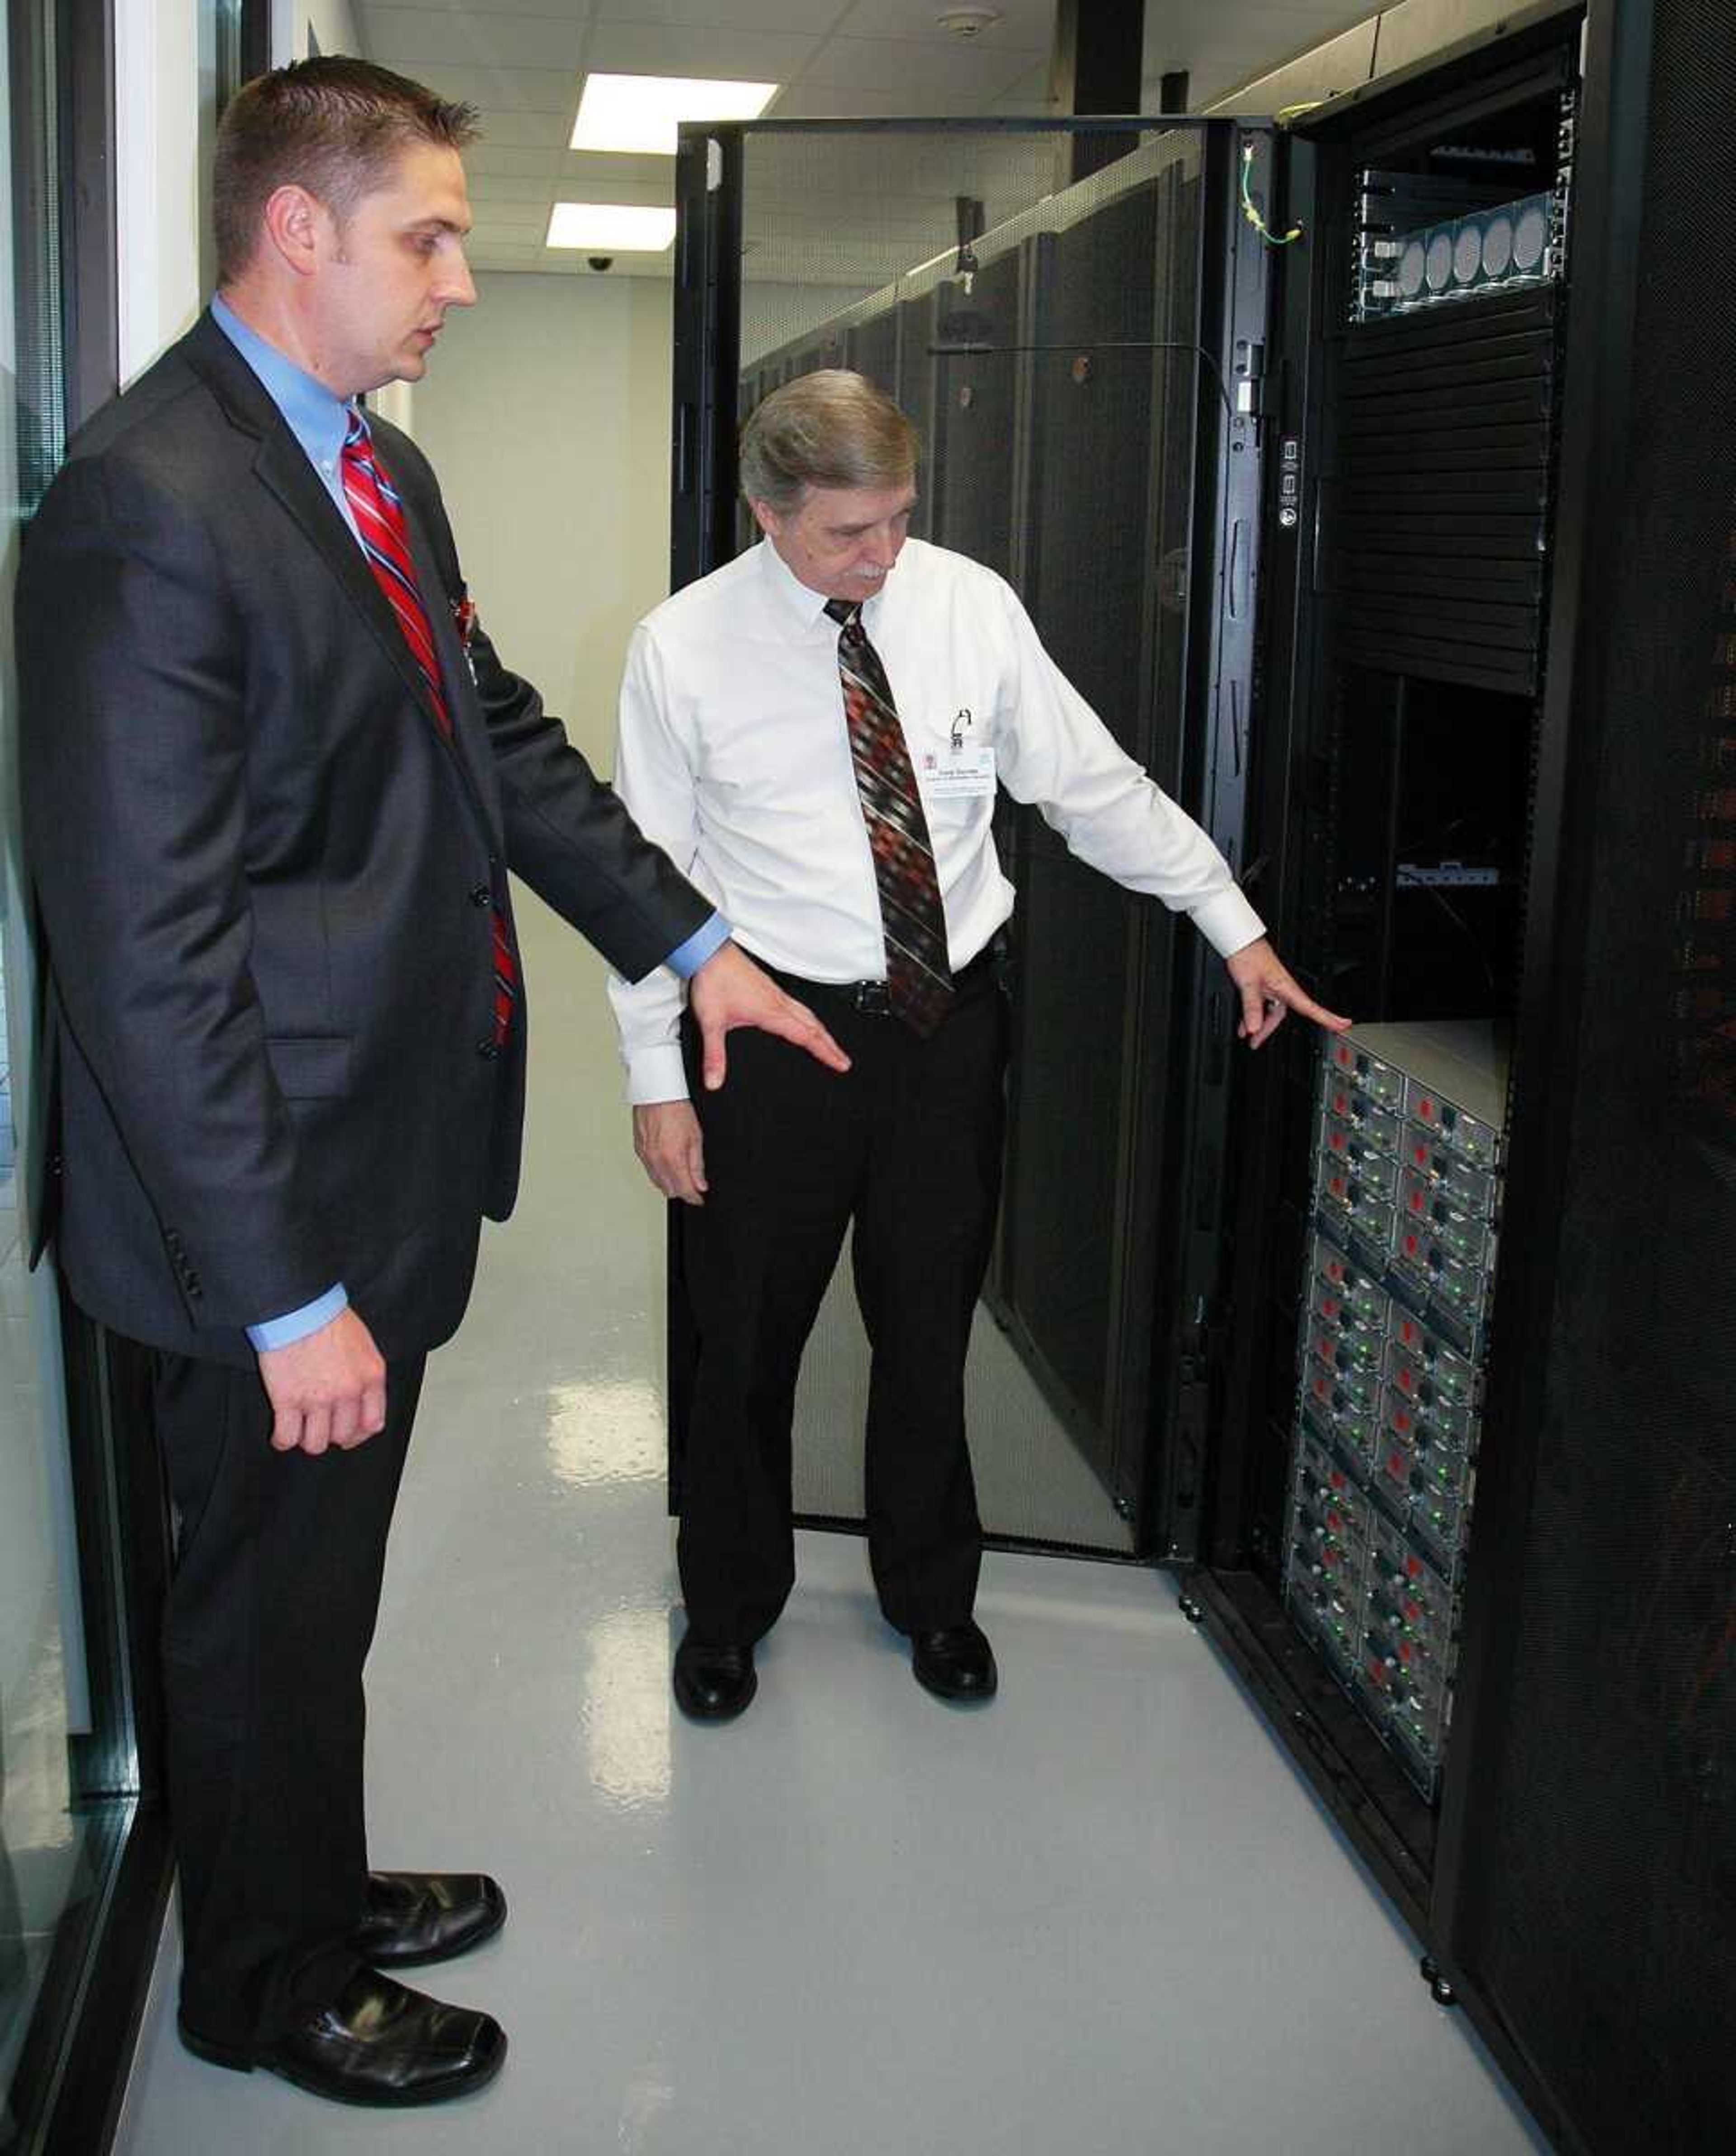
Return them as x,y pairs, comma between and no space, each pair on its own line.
319,421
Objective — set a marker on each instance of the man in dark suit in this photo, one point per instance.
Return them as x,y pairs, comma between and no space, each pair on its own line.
274,777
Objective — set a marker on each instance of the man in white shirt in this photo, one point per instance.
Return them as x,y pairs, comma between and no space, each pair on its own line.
815,733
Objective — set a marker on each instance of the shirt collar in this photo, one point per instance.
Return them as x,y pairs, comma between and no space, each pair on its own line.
806,608
316,418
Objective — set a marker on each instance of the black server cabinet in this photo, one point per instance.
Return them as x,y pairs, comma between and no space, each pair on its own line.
1438,629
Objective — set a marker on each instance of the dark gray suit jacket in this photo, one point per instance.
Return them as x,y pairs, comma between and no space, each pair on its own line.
264,879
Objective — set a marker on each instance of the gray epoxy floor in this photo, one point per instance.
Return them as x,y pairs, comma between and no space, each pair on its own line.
1101,1915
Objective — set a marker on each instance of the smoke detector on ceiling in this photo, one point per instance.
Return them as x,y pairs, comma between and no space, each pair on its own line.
967,22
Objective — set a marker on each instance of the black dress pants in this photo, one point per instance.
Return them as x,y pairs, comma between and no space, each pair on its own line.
906,1148
270,1616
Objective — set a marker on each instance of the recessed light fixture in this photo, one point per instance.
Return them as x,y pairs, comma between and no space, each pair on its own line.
610,228
642,111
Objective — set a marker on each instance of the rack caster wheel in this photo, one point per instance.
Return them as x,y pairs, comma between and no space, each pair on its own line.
1191,1611
1439,1990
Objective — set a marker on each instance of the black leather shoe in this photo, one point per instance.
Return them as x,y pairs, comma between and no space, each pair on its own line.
419,1917
713,1684
376,2043
956,1663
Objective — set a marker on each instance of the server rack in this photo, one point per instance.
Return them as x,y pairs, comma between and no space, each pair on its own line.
1453,684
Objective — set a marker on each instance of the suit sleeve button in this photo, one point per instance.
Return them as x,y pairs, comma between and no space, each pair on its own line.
481,895
488,1050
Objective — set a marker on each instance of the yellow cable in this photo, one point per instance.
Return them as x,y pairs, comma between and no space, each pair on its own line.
1253,216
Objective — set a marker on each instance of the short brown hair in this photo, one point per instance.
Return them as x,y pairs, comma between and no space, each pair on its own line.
335,126
829,428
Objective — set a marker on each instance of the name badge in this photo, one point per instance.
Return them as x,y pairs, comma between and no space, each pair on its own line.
958,774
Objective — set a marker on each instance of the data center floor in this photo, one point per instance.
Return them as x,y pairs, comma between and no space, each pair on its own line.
1102,1914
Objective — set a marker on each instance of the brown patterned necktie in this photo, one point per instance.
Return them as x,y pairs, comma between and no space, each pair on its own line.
919,980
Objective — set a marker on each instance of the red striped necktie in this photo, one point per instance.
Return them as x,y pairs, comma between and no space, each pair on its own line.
919,979
386,542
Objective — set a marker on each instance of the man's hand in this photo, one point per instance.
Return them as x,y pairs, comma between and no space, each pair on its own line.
1268,990
668,1140
329,1389
730,990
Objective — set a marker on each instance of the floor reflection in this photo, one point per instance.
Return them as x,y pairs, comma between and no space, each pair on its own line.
606,1432
625,1715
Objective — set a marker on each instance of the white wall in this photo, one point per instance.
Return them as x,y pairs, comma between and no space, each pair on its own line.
158,98
546,409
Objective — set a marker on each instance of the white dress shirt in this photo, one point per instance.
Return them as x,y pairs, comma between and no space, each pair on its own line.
733,756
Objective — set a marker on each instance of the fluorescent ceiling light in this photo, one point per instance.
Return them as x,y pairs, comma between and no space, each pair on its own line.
641,111
610,228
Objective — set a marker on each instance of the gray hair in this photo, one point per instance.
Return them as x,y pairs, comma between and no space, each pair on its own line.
829,428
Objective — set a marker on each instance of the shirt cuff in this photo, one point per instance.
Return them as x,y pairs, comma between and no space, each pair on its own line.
1228,922
686,958
656,1074
297,1324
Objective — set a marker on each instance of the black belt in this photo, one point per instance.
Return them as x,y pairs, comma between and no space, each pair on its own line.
873,999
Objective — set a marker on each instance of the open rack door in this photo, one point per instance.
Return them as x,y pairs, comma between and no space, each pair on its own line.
1083,362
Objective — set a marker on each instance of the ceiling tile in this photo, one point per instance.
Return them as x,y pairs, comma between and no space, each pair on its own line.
503,158
526,130
510,221
413,37
658,195
602,173
696,49
824,100
487,190
807,17
563,10
507,90
974,72
1026,25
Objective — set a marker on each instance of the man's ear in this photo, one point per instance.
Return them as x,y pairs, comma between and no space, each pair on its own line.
767,518
296,226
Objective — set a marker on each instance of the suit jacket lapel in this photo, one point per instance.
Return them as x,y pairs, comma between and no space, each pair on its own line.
282,465
469,736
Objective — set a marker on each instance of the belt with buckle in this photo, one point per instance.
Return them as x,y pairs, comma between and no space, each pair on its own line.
874,999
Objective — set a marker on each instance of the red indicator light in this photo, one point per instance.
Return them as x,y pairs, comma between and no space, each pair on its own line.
1412,1245
1425,1109
1413,1566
